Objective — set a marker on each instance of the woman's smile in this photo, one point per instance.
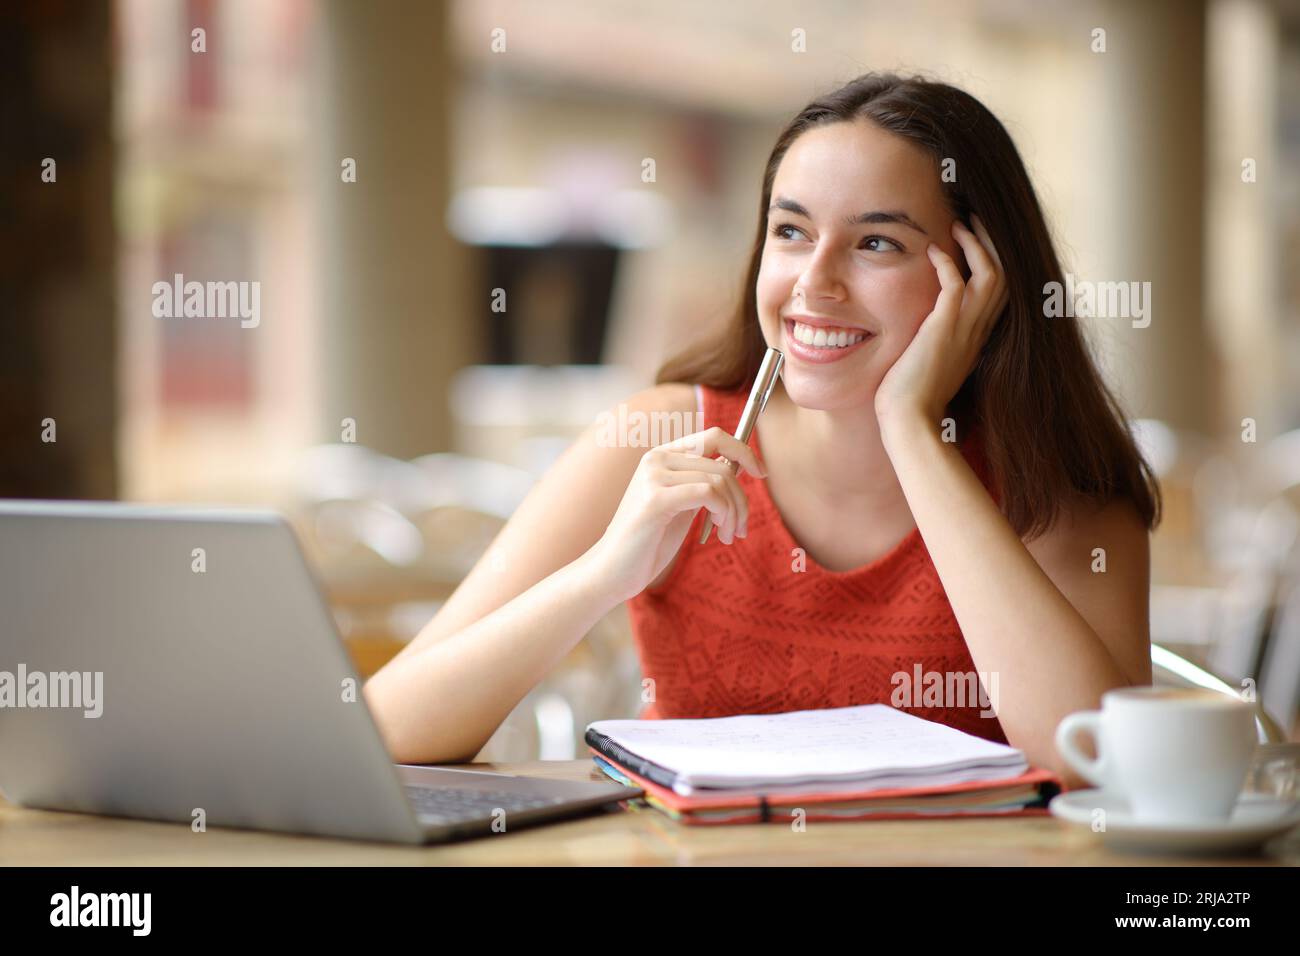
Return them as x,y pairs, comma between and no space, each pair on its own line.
816,342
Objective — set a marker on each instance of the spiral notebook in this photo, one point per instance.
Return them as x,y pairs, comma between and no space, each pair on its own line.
869,761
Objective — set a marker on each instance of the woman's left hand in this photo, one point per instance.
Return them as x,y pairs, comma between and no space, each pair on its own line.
941,355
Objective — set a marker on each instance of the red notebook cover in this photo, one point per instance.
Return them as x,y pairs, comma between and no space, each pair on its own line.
763,807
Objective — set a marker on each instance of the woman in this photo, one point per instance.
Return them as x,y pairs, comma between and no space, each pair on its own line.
942,509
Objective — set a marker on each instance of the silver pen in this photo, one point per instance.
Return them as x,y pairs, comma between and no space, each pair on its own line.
768,373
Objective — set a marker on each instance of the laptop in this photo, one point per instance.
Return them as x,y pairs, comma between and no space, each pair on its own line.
180,664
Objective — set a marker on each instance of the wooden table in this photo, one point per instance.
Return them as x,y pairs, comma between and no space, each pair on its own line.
615,838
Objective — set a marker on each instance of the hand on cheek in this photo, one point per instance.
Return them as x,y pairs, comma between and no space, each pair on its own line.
924,378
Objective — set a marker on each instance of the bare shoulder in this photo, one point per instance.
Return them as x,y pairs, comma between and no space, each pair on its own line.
668,397
651,417
1083,526
1099,557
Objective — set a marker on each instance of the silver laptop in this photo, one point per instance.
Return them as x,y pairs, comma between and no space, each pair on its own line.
180,664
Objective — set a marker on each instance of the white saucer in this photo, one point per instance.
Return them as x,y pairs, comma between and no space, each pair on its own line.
1256,818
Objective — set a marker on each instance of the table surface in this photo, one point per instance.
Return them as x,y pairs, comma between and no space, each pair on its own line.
609,838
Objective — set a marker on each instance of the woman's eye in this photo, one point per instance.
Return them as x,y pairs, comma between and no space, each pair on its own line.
896,246
780,232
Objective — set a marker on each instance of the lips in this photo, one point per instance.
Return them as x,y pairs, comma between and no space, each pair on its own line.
820,355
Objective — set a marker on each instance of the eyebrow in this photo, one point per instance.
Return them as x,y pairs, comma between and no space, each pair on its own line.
864,218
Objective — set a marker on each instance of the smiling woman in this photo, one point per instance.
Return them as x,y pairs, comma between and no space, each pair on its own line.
898,260
922,155
925,492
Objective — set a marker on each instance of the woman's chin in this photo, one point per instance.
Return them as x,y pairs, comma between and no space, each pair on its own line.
823,394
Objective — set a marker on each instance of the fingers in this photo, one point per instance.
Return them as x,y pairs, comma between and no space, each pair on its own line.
1001,295
988,243
715,441
981,266
986,265
690,461
951,285
724,481
987,293
704,494
681,461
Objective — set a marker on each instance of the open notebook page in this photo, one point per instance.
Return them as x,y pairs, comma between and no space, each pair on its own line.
843,743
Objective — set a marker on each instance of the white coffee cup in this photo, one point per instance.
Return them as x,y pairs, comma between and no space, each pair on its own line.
1176,755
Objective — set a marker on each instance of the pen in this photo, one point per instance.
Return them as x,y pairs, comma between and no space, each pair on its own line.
758,395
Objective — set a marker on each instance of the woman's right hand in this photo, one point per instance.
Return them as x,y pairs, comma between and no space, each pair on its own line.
671,483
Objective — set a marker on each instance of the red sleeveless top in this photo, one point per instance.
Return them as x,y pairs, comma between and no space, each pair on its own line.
736,630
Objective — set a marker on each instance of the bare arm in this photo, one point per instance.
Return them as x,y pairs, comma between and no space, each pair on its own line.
443,702
511,620
1057,632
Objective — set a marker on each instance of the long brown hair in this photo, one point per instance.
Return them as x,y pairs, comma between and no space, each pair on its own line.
1050,429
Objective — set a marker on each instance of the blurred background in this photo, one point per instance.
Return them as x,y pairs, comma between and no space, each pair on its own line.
476,224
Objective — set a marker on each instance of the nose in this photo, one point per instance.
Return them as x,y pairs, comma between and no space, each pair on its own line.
821,279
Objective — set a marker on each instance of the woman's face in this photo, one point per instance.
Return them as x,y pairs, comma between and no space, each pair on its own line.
871,279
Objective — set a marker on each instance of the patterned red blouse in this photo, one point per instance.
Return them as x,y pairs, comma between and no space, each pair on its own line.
737,630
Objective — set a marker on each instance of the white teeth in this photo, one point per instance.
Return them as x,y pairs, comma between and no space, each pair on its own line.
820,338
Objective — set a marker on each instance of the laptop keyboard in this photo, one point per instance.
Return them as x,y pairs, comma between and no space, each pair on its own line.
452,805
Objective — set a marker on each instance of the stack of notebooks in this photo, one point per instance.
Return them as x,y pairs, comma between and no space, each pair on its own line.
847,763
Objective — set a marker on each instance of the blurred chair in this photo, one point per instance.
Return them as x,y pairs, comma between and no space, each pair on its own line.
1281,471
474,483
351,507
392,541
345,471
454,538
1279,679
1219,559
1181,551
526,415
469,502
1248,603
1227,623
350,533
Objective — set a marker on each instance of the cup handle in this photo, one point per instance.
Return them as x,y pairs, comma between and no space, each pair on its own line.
1088,721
